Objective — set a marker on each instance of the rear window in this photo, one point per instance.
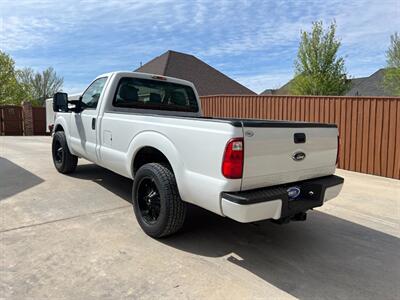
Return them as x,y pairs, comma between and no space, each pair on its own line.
153,94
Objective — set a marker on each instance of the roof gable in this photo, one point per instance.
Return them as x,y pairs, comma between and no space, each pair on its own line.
155,66
208,81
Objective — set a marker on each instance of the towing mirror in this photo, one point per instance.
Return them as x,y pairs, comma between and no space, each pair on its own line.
60,102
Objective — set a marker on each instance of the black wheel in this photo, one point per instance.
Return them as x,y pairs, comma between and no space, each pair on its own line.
63,160
156,201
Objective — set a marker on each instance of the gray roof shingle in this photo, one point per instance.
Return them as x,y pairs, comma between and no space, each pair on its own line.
368,86
362,86
208,81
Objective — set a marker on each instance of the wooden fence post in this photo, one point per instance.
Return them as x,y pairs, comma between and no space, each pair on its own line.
27,117
1,121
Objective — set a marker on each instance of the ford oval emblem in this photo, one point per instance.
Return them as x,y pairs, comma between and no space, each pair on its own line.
293,192
298,156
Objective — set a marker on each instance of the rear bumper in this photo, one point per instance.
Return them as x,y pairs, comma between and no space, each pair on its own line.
274,203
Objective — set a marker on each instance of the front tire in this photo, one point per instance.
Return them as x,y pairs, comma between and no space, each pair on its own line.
156,202
63,160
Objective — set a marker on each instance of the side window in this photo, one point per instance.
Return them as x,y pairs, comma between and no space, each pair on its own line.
92,94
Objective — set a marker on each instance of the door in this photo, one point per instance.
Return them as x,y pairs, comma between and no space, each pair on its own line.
84,124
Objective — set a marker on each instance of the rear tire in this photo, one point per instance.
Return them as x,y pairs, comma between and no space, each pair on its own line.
63,160
156,202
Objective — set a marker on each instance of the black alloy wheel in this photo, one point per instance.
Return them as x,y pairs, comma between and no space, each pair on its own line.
158,207
63,160
59,152
149,200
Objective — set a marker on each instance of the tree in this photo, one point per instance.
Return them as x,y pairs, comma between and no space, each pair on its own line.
318,70
391,80
40,85
11,92
25,84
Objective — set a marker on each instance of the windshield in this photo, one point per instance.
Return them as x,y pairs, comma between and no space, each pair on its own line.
155,94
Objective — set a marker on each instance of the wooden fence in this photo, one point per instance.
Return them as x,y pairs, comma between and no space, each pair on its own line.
11,120
369,127
39,120
22,120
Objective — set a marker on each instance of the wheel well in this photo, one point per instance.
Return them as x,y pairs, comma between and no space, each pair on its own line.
58,128
149,155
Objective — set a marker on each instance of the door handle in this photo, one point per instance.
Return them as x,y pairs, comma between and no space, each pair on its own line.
93,123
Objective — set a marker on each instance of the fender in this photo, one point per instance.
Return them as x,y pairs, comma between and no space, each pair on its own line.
60,120
165,146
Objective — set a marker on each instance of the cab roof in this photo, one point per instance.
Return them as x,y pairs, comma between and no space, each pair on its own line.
146,76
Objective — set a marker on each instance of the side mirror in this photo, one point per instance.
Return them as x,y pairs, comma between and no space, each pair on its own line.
60,102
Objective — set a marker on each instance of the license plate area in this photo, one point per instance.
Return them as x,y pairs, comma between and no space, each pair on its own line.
309,192
309,197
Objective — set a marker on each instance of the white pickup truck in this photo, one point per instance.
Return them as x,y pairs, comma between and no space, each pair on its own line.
150,128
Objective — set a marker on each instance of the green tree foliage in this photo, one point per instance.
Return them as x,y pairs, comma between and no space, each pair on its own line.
40,85
11,92
25,84
318,70
392,74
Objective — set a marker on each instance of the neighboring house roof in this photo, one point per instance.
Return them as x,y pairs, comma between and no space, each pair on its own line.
208,81
268,92
357,81
368,86
283,90
362,86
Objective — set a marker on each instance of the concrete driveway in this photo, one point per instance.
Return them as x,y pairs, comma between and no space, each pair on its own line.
76,237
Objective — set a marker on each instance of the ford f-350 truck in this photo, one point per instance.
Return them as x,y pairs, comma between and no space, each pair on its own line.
150,128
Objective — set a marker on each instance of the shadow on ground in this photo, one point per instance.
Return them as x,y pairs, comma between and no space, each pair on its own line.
119,185
15,179
324,257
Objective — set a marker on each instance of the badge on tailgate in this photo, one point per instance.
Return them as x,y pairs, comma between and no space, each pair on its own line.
293,192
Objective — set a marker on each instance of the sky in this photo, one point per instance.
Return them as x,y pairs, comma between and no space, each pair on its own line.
253,42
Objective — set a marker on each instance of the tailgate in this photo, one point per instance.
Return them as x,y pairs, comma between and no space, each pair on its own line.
287,152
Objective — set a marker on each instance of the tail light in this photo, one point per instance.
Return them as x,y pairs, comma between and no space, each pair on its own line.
338,150
232,164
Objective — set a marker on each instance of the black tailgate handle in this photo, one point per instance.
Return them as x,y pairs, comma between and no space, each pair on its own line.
299,138
93,123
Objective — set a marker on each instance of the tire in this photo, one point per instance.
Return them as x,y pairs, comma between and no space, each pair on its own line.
63,160
163,213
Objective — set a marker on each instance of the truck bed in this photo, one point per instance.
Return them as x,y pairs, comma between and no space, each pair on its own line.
270,146
239,122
